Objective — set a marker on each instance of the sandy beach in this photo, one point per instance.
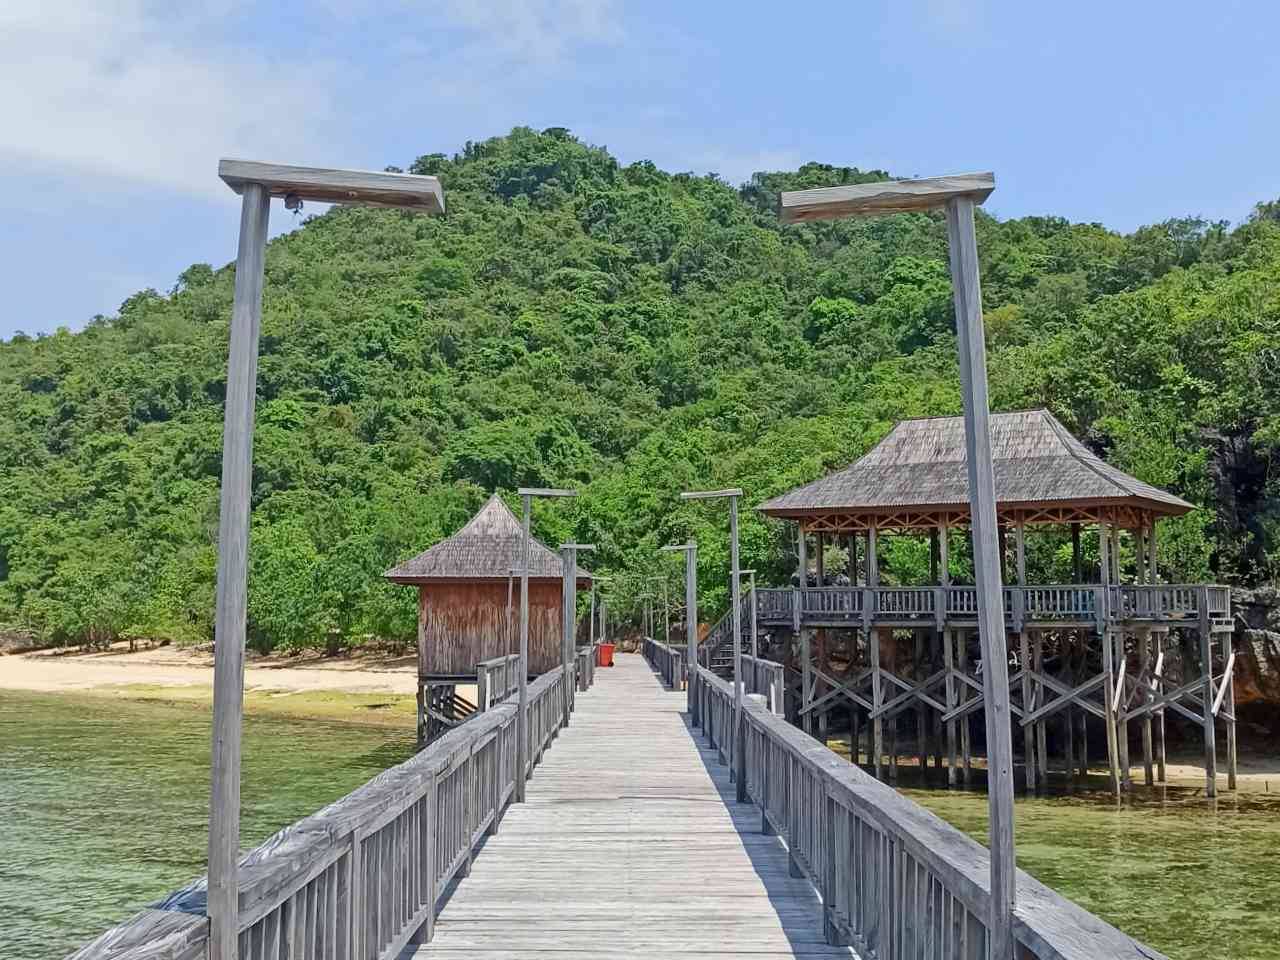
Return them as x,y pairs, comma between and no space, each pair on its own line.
50,671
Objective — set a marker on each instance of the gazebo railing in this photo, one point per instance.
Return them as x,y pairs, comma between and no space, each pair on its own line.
831,603
1035,602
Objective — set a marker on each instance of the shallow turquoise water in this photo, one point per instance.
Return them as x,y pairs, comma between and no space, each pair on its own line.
104,803
1194,878
103,807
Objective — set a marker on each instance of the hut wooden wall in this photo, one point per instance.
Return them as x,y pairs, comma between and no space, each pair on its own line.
460,624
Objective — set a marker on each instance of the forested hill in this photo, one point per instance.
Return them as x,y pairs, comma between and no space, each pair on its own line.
621,330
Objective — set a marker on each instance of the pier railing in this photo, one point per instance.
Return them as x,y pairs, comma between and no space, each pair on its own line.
363,877
667,660
767,678
585,659
496,680
896,881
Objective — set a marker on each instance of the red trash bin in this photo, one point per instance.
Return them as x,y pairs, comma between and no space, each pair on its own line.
604,655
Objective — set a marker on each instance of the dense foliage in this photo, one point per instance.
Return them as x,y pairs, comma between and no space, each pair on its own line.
624,331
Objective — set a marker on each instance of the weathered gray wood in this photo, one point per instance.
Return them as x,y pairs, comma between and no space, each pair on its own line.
891,196
1144,654
522,676
638,849
1042,739
1024,652
1206,667
233,549
1109,707
875,855
948,659
365,188
963,252
877,699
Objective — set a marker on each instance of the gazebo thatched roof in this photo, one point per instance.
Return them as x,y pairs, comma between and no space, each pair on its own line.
489,547
917,476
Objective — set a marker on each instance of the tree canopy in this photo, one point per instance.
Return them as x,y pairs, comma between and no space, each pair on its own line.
625,331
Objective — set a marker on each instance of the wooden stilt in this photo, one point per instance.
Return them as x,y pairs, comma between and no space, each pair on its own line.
891,648
1209,694
855,746
1160,755
806,681
1067,676
1028,736
935,723
1144,657
1077,566
877,698
1042,739
1229,703
1084,743
1108,709
893,748
1122,711
965,745
1069,739
948,659
820,686
918,673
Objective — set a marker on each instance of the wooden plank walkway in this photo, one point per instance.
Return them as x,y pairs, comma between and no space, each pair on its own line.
630,844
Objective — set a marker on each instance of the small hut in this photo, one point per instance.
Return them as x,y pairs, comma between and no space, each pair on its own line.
469,609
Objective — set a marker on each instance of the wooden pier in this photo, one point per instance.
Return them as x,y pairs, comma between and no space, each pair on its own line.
630,842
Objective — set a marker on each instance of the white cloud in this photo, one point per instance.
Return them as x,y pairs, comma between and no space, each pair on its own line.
121,90
155,93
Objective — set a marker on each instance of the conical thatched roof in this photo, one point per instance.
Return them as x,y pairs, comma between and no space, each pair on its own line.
487,548
922,465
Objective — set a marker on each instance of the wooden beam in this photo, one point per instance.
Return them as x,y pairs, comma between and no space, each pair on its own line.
365,188
522,675
963,251
890,196
233,555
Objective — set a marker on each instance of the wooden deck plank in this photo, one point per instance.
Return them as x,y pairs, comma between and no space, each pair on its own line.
630,844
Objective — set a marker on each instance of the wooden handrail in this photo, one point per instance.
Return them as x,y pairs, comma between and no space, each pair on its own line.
667,660
361,878
496,679
895,880
1031,602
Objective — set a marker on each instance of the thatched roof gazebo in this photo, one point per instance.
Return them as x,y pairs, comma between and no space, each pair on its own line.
916,481
464,584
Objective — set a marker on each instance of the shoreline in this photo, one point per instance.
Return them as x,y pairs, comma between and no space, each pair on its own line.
368,690
50,671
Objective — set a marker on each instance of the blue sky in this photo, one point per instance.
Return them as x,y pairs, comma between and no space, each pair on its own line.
116,111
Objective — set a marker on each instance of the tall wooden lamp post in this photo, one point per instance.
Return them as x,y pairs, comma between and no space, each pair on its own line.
957,196
569,617
257,183
522,678
739,753
690,551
